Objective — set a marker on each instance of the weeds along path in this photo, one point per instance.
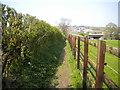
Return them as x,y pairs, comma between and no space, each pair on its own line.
64,71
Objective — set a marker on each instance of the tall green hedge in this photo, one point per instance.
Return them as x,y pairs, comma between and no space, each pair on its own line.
30,47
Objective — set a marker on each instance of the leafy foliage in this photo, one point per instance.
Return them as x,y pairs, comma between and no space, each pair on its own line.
30,50
111,32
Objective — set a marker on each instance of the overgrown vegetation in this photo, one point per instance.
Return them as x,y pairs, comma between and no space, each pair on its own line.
31,48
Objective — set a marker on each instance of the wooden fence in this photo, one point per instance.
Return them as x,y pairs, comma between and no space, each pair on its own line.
83,60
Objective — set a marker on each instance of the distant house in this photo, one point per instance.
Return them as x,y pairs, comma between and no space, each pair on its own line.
92,33
78,28
95,36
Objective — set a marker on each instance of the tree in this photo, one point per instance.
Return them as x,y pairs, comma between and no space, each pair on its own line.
64,25
111,31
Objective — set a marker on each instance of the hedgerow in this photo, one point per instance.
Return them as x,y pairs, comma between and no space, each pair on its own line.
30,50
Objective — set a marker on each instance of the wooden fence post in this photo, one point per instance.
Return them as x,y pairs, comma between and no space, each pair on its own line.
72,44
69,38
100,64
85,61
74,47
78,58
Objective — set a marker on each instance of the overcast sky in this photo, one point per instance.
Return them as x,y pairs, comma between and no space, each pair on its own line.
81,12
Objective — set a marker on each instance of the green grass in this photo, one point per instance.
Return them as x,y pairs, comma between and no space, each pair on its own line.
110,59
76,80
112,43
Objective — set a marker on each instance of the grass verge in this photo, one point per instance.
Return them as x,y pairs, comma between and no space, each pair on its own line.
76,80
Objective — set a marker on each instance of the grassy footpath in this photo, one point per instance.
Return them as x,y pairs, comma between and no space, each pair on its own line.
76,80
67,75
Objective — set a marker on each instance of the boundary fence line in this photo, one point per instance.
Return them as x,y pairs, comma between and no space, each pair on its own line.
99,69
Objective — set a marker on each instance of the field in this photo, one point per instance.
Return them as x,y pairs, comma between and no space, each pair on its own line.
111,69
113,43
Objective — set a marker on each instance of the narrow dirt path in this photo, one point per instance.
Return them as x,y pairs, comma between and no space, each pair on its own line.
64,71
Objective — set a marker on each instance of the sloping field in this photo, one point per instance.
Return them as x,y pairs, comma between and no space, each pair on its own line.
112,43
111,68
